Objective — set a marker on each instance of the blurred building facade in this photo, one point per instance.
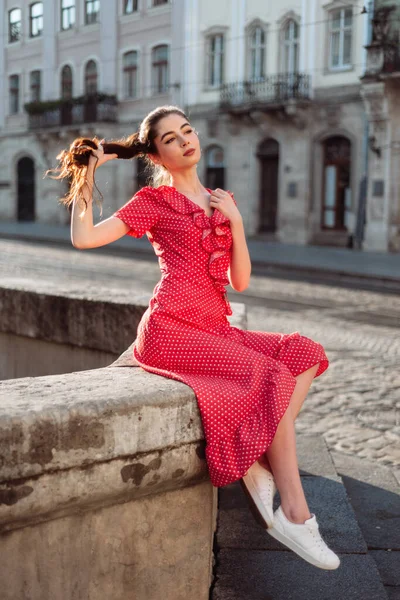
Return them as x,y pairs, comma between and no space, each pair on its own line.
85,68
281,93
381,94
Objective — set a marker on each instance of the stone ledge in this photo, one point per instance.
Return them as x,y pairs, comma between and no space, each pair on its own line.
96,438
98,485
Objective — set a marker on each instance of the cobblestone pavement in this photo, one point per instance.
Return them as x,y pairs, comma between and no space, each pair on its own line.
355,404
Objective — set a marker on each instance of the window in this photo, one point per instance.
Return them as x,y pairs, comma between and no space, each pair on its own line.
67,14
159,2
14,94
36,19
130,61
216,60
291,47
160,74
340,34
257,53
35,86
14,25
92,9
90,77
130,6
66,82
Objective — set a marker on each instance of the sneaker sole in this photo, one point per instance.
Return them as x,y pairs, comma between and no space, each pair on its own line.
257,507
281,537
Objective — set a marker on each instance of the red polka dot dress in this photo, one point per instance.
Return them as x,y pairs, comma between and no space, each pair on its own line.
243,380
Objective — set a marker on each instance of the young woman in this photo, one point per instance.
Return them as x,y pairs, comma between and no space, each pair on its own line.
250,385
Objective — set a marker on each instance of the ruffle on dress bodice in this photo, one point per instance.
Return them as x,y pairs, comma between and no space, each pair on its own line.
216,237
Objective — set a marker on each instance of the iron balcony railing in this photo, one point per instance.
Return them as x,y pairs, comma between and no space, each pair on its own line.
272,89
74,111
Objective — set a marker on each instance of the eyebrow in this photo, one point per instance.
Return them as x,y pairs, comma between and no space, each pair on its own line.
168,132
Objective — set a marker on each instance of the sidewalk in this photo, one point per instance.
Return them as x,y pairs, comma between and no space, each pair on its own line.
314,260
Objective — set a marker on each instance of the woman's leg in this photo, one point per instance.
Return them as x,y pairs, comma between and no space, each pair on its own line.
281,457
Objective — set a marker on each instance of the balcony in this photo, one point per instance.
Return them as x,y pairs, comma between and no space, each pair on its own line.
93,108
383,54
271,92
382,60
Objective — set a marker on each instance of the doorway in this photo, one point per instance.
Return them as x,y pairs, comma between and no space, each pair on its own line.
268,155
25,189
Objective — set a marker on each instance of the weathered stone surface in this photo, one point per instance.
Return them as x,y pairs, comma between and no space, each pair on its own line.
159,546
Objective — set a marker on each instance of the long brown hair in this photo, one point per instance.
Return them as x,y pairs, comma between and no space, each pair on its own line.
73,162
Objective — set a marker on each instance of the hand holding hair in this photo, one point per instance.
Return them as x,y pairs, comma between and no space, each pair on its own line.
101,155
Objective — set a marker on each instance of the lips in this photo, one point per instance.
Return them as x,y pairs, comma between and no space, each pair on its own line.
189,152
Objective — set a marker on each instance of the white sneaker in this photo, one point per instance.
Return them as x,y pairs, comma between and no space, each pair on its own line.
259,486
304,539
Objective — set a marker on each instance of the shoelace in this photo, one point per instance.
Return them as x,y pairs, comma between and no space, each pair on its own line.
314,530
265,494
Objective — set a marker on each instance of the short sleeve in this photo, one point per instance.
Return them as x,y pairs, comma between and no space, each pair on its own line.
141,212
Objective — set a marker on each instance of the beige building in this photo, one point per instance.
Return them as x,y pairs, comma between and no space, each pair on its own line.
86,67
276,90
286,79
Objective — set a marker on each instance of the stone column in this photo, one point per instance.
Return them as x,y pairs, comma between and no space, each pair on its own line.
108,46
179,38
49,46
378,192
236,46
190,67
3,78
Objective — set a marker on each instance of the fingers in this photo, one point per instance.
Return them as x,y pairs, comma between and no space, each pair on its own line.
218,193
100,155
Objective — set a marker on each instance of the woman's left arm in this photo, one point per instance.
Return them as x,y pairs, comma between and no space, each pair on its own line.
240,267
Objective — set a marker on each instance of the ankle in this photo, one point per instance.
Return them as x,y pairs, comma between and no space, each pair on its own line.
295,515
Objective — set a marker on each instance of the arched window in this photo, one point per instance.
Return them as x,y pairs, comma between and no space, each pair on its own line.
257,57
215,167
14,25
66,82
130,75
92,11
336,192
130,6
160,69
36,19
291,47
90,78
67,14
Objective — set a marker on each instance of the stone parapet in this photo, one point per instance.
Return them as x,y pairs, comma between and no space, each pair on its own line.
104,487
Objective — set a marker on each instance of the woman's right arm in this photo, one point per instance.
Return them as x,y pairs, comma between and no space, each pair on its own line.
83,233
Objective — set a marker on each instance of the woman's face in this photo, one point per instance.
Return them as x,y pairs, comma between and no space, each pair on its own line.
174,137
